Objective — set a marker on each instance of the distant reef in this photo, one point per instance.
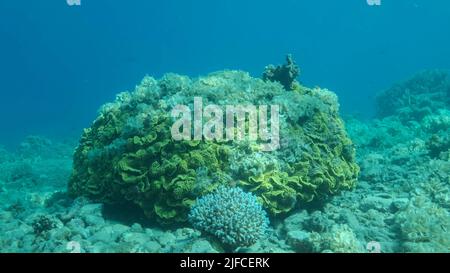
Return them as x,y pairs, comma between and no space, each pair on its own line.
421,95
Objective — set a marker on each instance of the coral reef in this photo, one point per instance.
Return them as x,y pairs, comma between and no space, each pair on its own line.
230,214
284,74
40,217
128,155
401,202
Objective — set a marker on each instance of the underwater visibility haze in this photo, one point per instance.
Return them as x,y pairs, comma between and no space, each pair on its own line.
247,126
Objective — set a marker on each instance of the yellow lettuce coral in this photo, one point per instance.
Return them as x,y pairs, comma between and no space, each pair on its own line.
128,154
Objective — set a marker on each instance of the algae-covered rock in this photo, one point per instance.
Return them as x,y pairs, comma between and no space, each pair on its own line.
129,154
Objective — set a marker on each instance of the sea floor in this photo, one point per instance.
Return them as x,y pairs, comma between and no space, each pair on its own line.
401,204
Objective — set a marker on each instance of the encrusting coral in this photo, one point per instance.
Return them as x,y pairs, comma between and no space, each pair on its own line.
424,227
129,155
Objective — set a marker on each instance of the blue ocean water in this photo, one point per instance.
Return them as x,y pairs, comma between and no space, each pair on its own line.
60,62
362,164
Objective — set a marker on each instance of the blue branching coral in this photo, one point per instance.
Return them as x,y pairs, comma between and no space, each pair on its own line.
232,215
